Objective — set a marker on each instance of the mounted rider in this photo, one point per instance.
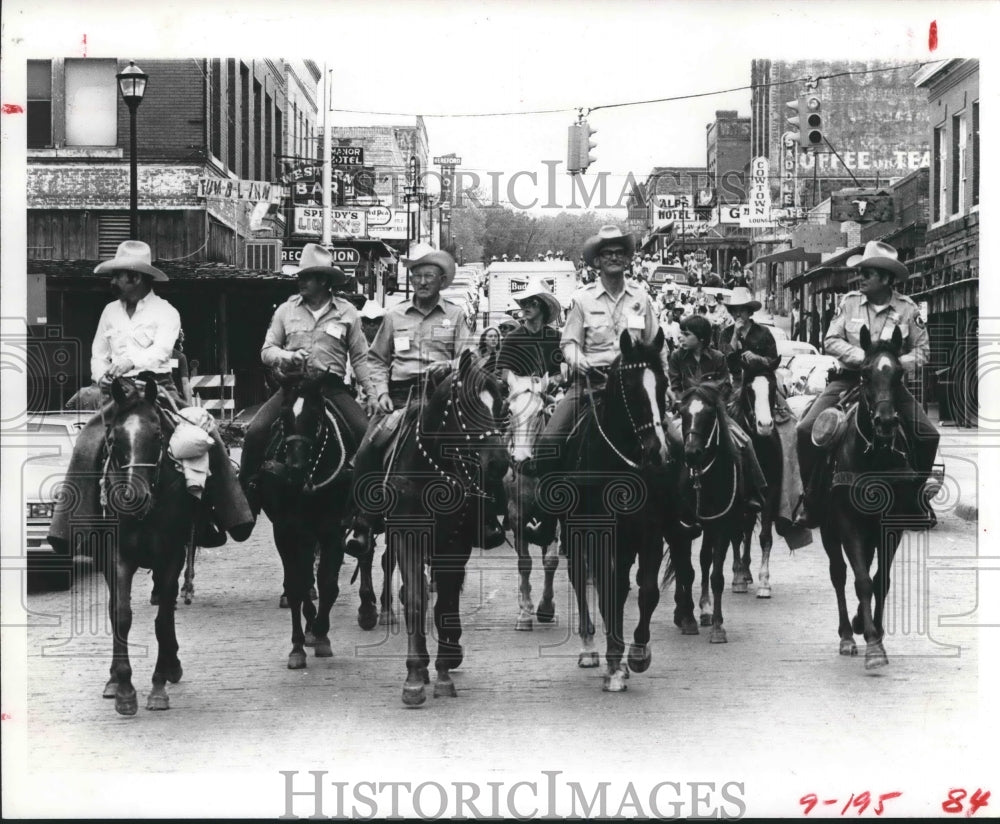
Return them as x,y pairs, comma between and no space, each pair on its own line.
136,334
311,335
878,306
598,315
420,339
533,347
749,345
696,362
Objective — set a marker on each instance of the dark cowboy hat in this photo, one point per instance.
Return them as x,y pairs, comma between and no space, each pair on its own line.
606,236
132,256
318,260
878,255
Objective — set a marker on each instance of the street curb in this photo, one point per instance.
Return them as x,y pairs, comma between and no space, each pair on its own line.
967,512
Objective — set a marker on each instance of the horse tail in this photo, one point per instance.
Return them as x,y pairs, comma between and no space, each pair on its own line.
669,571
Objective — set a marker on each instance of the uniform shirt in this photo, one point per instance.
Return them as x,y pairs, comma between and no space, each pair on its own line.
596,320
329,339
147,338
685,370
409,340
843,338
524,352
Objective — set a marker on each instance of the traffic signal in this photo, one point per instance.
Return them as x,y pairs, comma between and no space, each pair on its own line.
807,120
573,149
586,144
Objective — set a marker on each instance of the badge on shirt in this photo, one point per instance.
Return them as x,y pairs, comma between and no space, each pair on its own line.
635,306
636,322
334,329
401,343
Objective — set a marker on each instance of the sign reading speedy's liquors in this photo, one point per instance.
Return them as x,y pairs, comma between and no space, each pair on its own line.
345,222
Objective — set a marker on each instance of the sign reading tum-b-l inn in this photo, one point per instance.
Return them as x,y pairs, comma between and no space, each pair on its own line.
255,190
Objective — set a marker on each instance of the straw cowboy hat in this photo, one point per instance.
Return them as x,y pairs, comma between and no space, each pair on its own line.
132,256
372,310
539,291
878,255
318,260
606,236
425,253
742,299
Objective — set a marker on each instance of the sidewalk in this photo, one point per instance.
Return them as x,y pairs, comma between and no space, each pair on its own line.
959,452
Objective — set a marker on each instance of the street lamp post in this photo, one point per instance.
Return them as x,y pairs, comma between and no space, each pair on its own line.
132,85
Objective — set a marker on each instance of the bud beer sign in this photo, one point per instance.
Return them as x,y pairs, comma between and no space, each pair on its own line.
517,285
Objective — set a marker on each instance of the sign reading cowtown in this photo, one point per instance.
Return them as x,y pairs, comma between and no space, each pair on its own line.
347,156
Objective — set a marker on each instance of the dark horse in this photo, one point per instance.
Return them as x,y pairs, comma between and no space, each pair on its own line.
712,484
623,485
435,480
146,490
754,411
304,495
873,492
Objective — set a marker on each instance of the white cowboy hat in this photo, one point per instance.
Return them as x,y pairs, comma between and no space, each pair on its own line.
318,260
539,291
880,255
607,235
425,253
742,299
372,310
132,256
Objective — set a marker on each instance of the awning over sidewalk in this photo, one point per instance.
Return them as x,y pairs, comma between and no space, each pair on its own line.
796,254
832,273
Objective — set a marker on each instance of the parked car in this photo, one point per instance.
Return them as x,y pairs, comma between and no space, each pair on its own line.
805,374
787,349
767,320
50,437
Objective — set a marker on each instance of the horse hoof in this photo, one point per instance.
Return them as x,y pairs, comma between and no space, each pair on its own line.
848,647
414,695
445,689
748,577
296,659
309,640
706,619
615,682
546,612
187,600
639,657
689,626
323,648
875,656
388,618
523,624
368,616
110,689
588,660
740,587
763,591
424,674
158,700
857,625
126,701
718,636
283,602
174,674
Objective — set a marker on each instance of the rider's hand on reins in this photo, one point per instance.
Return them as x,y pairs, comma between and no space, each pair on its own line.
385,403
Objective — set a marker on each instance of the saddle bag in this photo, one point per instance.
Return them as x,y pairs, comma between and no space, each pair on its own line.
189,441
829,427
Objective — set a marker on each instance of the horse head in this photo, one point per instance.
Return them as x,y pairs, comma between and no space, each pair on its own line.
526,405
303,418
758,397
881,378
637,393
701,424
136,447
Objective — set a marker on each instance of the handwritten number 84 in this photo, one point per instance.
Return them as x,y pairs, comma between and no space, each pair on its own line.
979,799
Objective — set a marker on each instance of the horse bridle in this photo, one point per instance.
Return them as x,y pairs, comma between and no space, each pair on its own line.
109,464
872,413
323,436
696,472
637,429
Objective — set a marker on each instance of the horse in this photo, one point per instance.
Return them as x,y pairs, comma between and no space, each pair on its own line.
620,453
712,482
145,488
432,490
754,411
528,414
872,486
304,494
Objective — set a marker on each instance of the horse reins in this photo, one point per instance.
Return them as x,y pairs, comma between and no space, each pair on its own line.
697,472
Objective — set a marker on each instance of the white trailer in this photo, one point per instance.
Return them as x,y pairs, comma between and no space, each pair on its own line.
506,279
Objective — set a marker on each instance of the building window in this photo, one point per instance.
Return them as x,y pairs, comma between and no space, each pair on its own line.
91,102
231,111
975,153
268,138
279,141
258,153
940,175
245,122
39,103
957,164
215,124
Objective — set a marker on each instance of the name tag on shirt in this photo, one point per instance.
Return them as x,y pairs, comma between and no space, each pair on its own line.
443,332
636,322
887,331
334,329
401,344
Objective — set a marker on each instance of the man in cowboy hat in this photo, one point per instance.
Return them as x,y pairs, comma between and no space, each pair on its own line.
136,334
312,334
879,307
598,315
533,348
747,344
418,338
